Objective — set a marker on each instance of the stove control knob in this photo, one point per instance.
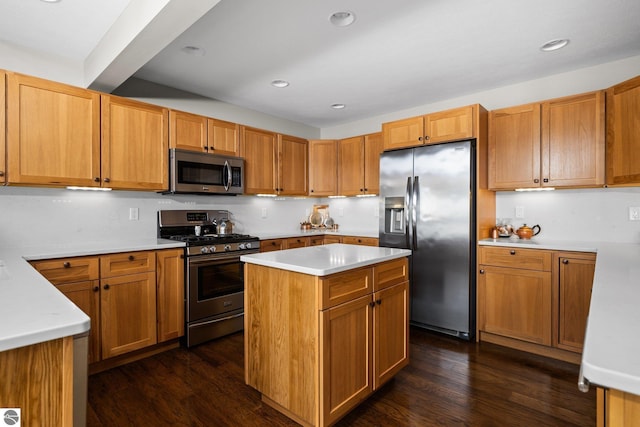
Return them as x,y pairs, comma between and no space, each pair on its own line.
227,248
241,246
248,246
204,250
212,249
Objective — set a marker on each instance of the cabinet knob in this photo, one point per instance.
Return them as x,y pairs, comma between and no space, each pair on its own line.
372,304
481,271
545,180
536,180
96,179
512,252
426,138
378,301
131,258
361,190
565,261
107,180
1,173
419,138
66,264
311,191
96,288
106,286
366,189
206,148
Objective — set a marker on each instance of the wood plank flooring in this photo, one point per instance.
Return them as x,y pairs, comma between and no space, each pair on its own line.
448,383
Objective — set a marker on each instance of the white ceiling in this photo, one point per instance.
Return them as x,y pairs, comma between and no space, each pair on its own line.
396,55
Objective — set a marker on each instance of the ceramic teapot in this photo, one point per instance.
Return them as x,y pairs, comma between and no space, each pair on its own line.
526,232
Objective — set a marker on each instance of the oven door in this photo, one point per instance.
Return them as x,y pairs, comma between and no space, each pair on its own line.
215,285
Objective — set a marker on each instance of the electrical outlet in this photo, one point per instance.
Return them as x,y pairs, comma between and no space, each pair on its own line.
634,213
519,211
133,214
263,214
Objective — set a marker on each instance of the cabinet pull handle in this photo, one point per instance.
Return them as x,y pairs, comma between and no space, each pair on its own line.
106,286
66,264
96,288
536,180
481,271
372,304
565,261
512,252
378,301
131,258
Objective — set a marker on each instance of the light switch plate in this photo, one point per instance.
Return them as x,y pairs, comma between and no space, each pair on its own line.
519,211
133,214
634,213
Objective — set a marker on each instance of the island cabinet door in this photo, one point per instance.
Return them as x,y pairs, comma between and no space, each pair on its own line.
345,357
391,332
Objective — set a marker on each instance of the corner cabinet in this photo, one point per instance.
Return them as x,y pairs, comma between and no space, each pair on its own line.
556,143
53,133
346,335
623,133
442,126
135,145
323,168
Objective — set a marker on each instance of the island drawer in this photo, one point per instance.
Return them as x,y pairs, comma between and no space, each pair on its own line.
68,270
390,273
127,263
346,286
528,259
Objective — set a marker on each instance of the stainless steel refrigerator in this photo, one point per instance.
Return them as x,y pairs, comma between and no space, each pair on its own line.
427,204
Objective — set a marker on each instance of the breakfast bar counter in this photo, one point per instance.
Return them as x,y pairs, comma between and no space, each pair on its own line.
325,326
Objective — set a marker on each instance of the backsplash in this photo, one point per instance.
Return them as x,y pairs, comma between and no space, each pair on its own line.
41,216
600,214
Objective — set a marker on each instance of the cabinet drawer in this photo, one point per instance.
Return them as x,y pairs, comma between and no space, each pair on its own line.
67,270
390,273
528,259
297,242
342,287
271,245
127,263
366,241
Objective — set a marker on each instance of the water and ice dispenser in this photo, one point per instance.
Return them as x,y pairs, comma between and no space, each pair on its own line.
394,218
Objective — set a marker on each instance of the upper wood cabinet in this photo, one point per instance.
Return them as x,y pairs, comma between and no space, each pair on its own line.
53,133
323,167
258,147
623,133
449,125
556,143
359,165
135,145
3,129
293,155
223,137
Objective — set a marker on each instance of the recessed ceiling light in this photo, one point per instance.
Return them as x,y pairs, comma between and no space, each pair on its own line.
280,83
193,50
554,45
342,19
338,106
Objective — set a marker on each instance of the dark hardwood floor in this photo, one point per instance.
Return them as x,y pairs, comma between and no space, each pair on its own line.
448,383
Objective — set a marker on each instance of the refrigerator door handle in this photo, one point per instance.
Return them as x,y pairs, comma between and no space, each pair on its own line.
414,210
407,204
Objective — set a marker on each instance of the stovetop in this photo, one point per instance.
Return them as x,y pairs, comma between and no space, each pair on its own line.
209,239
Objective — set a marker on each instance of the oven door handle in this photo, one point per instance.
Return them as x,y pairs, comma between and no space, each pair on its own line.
213,259
208,322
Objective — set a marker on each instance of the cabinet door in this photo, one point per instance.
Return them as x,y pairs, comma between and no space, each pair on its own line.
223,137
3,164
515,303
575,279
623,133
127,313
514,147
450,125
170,293
293,154
351,166
391,332
259,151
372,150
345,358
297,242
403,133
53,133
323,168
272,245
86,295
573,141
135,145
187,131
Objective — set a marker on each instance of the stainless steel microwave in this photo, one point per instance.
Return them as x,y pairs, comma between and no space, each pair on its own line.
191,172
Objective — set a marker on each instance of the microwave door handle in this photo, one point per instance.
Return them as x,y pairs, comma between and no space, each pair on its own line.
229,177
407,204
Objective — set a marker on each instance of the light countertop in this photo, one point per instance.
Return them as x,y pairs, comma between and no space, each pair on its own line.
323,260
315,232
610,357
33,310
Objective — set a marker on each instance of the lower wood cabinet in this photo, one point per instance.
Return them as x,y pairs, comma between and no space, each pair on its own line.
353,328
354,240
269,245
297,242
616,408
535,300
134,299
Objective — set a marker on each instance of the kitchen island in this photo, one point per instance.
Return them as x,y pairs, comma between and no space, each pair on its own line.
325,326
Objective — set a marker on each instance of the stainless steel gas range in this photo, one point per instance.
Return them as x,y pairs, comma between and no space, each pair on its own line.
214,274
